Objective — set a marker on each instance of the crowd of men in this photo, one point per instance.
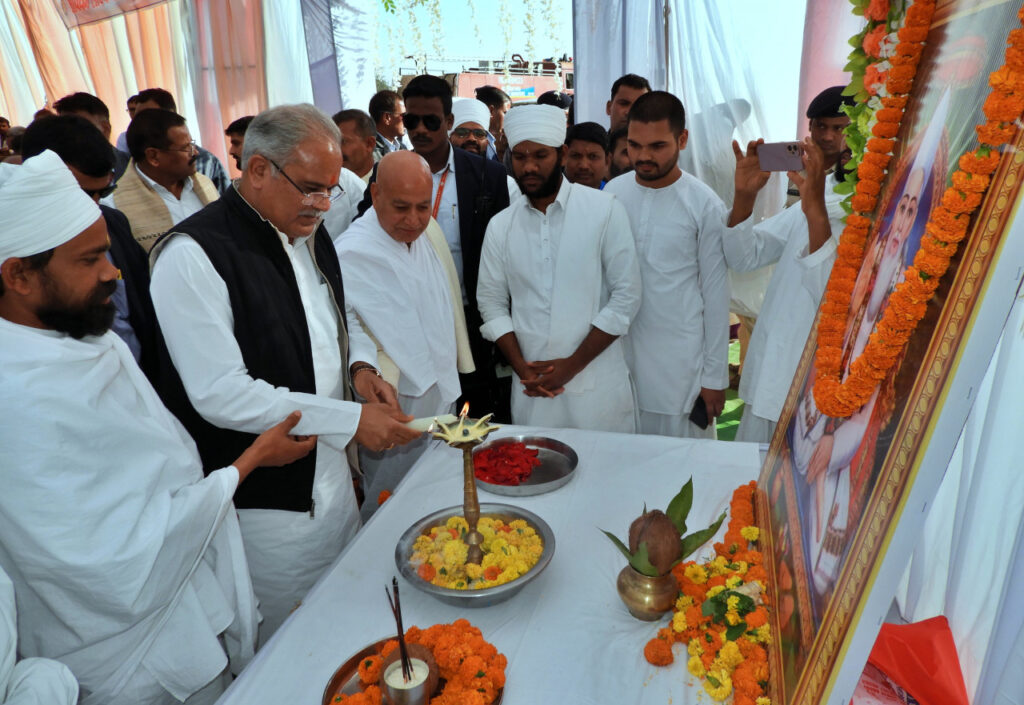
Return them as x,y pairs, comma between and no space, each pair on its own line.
206,383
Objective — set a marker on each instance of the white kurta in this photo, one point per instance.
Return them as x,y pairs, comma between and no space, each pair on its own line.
127,563
343,210
549,277
401,295
31,681
287,551
790,303
679,341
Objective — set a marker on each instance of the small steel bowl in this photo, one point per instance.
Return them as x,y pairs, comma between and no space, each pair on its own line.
481,597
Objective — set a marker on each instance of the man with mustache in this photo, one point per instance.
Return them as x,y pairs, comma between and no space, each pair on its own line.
249,296
160,187
678,346
588,157
559,284
127,563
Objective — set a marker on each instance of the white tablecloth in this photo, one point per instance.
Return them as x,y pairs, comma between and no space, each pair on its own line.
568,637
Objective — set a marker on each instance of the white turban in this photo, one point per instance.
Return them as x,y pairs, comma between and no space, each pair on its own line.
470,110
41,207
544,124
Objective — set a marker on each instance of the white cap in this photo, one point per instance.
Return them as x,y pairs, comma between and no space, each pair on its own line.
41,207
544,124
470,110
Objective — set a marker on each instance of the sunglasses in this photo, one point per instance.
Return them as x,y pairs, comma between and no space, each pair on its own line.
412,121
102,192
463,132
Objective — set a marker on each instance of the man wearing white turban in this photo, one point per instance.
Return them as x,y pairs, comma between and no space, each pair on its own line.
559,283
468,119
127,562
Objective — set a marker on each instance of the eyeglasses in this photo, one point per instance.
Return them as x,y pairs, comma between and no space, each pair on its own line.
412,121
96,193
308,197
188,148
464,132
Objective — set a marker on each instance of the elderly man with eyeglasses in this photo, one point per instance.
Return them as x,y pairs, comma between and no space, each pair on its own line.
248,293
160,187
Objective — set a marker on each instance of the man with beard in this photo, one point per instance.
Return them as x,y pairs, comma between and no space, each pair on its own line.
127,563
468,119
160,187
467,192
625,90
587,158
559,283
678,346
249,296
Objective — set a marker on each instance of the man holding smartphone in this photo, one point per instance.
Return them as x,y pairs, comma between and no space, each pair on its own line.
802,243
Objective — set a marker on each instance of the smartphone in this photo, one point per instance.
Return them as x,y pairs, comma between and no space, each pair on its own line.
780,156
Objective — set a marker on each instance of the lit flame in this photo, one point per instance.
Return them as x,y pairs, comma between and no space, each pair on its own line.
465,410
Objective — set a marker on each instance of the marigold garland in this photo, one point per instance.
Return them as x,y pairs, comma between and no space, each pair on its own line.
947,225
721,613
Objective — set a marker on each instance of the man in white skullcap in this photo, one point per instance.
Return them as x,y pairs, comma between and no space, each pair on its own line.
678,346
127,563
401,281
559,284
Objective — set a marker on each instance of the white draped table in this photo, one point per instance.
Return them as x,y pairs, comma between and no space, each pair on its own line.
567,636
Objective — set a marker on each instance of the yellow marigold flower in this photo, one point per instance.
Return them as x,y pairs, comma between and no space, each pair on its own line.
741,567
763,634
715,590
695,666
719,566
750,533
683,602
474,571
696,573
732,618
455,553
694,648
763,700
732,582
733,601
518,524
679,622
724,688
457,523
730,656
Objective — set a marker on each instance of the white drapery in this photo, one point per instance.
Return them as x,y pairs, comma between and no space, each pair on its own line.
355,29
969,562
284,42
21,86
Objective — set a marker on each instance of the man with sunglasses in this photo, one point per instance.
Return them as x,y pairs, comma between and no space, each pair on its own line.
249,297
90,158
468,119
467,191
160,187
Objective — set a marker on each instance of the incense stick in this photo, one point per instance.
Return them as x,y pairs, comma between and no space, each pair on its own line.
396,610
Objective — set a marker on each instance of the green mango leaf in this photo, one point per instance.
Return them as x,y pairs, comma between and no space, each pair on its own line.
844,187
735,631
847,208
698,538
746,603
640,560
679,508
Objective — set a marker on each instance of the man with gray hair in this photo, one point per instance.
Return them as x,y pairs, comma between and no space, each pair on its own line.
249,296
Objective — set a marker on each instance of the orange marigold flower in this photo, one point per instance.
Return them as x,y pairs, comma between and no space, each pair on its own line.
897,102
827,359
369,669
949,235
757,618
901,73
960,202
857,221
937,247
881,146
868,186
898,85
873,79
658,652
1016,37
995,134
909,60
877,10
1002,107
872,43
909,49
975,163
1015,58
1007,80
908,35
863,203
950,220
384,496
889,115
930,264
919,14
845,249
867,170
877,159
963,181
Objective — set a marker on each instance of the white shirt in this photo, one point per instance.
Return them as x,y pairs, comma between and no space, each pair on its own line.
448,213
401,294
550,276
679,341
112,572
344,210
179,208
791,300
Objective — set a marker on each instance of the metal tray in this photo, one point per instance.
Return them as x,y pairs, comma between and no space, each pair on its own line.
480,597
557,466
345,680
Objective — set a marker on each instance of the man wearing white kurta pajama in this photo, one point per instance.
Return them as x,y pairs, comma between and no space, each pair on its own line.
405,289
678,345
251,289
127,563
559,284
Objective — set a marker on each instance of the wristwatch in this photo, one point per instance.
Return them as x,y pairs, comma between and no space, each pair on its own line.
360,366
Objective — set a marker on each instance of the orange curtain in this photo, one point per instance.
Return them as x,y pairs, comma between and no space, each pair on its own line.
149,36
53,50
99,46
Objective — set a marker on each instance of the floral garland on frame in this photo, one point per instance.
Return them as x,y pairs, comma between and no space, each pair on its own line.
722,613
947,225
